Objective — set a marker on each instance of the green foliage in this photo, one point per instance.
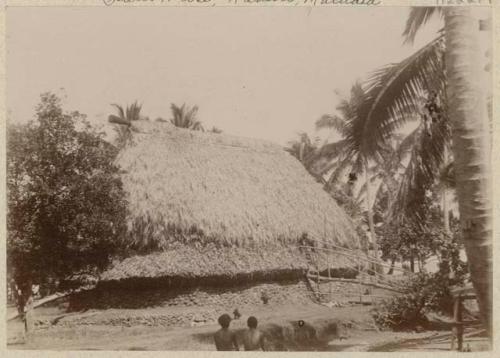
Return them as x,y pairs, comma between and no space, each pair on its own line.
343,197
66,204
417,238
348,153
417,18
306,151
425,292
128,115
407,311
185,117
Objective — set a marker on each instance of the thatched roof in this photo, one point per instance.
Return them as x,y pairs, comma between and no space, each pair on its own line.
195,188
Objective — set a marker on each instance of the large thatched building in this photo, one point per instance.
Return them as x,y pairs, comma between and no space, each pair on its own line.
212,210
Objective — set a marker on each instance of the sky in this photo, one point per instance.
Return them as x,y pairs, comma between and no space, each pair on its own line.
255,72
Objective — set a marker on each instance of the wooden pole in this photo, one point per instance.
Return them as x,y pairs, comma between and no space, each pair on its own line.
327,262
317,266
348,253
360,285
329,278
318,280
370,284
458,324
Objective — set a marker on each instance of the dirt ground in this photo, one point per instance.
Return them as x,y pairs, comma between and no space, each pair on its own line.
347,328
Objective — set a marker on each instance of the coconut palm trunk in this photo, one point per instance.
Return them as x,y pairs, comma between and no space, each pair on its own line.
369,212
471,148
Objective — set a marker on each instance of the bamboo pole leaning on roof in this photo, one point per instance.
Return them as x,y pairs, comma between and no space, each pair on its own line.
328,254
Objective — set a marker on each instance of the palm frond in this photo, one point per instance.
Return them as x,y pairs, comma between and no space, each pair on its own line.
304,149
405,146
341,166
362,189
124,121
333,150
418,17
394,93
121,112
422,169
133,111
328,121
447,175
185,117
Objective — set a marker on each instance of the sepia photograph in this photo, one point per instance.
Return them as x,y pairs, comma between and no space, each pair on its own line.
254,178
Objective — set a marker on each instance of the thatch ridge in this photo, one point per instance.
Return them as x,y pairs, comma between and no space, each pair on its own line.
191,186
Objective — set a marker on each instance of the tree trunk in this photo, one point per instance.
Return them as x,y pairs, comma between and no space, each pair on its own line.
25,304
391,269
446,212
369,211
444,197
445,264
471,148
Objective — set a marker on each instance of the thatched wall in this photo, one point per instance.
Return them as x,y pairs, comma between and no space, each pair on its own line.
220,263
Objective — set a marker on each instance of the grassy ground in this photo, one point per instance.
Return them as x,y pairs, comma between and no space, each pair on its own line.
347,328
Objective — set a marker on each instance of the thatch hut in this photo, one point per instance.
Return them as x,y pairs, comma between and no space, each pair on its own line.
209,209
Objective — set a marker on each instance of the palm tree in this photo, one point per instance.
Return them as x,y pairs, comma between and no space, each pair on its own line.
305,150
353,152
308,152
471,148
185,117
124,118
456,79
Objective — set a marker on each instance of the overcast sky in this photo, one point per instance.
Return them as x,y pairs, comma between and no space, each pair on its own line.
255,72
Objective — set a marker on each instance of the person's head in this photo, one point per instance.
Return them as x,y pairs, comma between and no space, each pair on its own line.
252,322
224,320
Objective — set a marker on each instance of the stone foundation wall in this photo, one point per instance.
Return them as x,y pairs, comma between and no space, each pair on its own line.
295,292
188,307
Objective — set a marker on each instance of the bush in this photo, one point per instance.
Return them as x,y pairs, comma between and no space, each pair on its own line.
423,293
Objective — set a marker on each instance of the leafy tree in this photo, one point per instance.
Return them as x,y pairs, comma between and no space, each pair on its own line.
416,238
309,153
185,117
66,205
423,292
